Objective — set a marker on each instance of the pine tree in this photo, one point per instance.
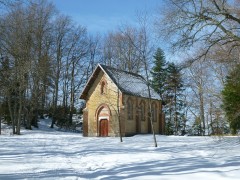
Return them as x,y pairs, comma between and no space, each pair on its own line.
167,82
159,73
231,99
174,100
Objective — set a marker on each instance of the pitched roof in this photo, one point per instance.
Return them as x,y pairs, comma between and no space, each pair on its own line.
128,83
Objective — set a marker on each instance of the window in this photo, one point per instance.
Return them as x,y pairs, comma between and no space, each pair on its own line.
142,111
130,109
154,112
103,87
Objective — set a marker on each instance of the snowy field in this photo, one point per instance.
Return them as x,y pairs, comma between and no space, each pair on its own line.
51,154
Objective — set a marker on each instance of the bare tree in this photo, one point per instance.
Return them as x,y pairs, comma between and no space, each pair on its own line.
188,23
25,43
46,53
198,83
63,25
40,14
205,79
6,4
77,53
145,51
15,48
94,53
119,51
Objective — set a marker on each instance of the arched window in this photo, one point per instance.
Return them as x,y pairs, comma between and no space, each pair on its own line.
103,87
154,112
130,109
142,111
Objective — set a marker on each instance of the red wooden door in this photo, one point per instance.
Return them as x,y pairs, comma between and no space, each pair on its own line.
103,128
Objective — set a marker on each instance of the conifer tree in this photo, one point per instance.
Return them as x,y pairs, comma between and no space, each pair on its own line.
231,99
174,100
159,73
167,82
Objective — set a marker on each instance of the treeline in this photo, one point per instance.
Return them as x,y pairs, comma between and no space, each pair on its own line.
46,60
207,34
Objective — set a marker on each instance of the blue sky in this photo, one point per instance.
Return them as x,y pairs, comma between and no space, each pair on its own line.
105,15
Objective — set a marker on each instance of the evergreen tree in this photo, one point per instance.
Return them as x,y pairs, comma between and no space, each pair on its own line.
159,73
174,100
231,99
196,127
167,82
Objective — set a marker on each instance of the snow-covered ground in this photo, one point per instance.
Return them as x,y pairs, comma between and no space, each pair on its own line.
49,154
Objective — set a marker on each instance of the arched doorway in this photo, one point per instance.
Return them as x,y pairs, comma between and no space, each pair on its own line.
103,114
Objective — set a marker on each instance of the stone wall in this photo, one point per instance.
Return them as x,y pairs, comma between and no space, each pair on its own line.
138,126
97,99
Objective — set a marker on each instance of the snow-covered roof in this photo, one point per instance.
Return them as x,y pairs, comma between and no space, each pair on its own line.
128,83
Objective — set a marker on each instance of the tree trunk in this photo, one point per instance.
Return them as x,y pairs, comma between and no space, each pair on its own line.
11,112
56,83
175,112
119,118
19,110
202,112
0,124
18,127
43,100
72,93
150,106
211,121
55,100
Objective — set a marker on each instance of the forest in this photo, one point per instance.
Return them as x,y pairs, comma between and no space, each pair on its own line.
46,59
